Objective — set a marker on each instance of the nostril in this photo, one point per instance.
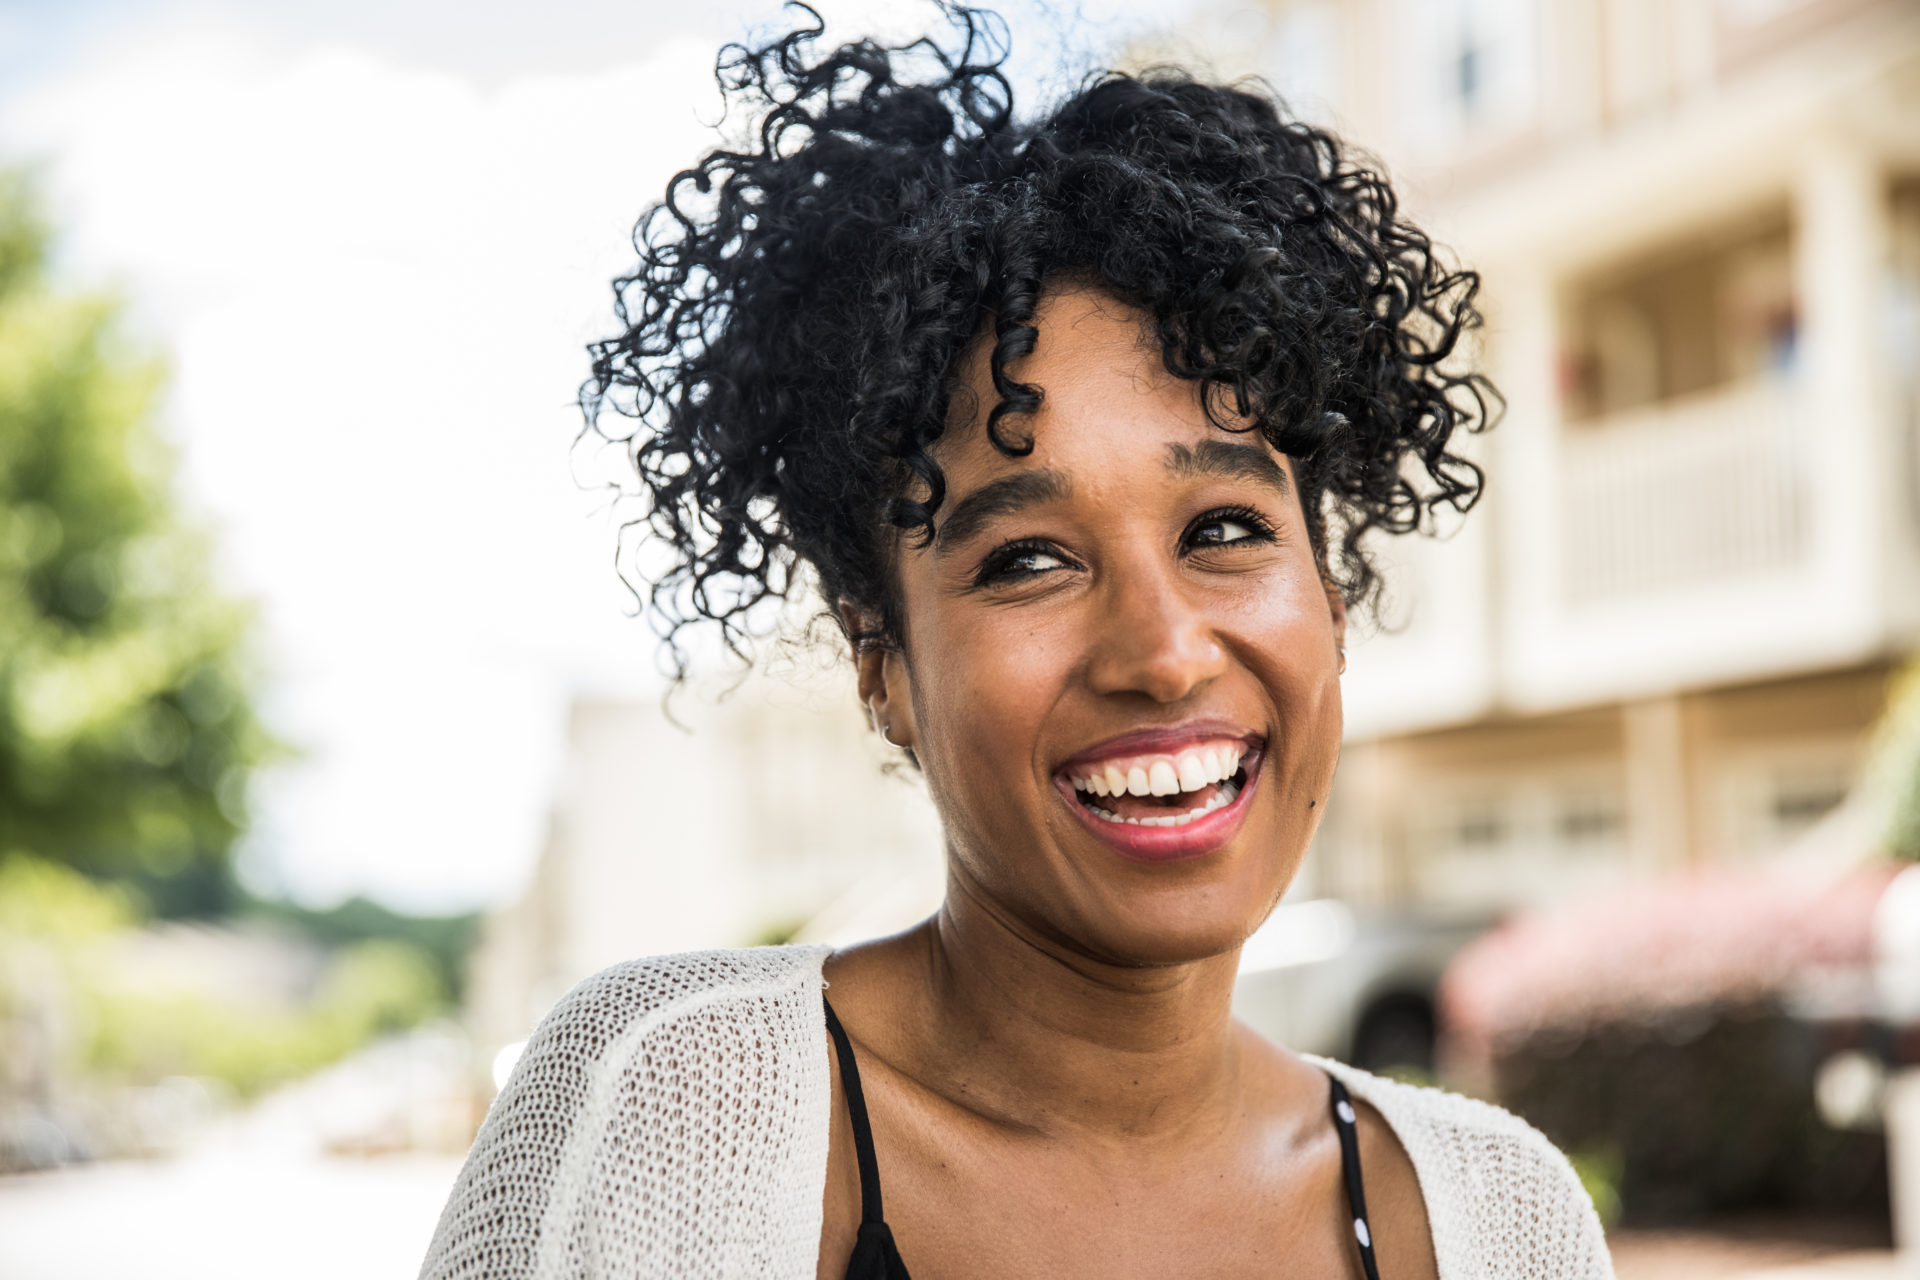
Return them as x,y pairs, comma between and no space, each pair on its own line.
1154,642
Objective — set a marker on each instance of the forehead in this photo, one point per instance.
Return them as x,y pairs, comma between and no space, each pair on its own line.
1105,393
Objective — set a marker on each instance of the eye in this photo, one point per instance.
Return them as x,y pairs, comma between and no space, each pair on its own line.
1229,527
1017,561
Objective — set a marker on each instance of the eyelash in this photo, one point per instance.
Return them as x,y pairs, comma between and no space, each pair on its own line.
998,568
1259,528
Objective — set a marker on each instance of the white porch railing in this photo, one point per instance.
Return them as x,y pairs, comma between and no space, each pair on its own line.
1699,490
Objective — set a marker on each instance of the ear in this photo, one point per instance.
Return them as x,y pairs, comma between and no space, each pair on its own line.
1337,608
881,681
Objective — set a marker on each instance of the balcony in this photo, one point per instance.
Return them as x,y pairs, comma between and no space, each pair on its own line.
1729,535
1714,538
1709,473
1707,490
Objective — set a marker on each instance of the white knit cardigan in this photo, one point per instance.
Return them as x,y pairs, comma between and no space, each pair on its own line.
670,1119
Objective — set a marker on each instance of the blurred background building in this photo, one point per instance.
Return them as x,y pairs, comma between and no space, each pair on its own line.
1665,638
1620,828
748,817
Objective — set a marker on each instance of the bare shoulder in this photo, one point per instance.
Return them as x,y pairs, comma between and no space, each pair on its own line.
1401,1227
1398,1225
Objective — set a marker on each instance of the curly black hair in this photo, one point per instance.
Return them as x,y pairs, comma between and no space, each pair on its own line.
802,302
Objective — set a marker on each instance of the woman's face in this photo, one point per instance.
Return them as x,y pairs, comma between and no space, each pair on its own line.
1134,607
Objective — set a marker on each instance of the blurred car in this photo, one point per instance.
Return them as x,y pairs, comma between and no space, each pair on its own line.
1321,977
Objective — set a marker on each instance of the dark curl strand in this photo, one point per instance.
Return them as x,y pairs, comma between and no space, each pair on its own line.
792,330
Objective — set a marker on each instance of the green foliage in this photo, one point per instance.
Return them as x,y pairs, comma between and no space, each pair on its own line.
58,931
1895,762
23,236
776,934
445,940
1600,1168
127,736
369,989
1407,1073
48,902
379,986
127,732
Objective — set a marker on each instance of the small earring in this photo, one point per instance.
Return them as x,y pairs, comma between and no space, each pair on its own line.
1342,651
888,740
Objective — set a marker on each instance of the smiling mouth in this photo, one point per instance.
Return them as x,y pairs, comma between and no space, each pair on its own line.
1162,790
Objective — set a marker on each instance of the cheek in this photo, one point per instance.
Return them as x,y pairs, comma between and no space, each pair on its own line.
984,683
1284,634
1306,691
1286,596
1312,747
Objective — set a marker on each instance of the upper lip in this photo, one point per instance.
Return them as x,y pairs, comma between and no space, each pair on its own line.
1168,739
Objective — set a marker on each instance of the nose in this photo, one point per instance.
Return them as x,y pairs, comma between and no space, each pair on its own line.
1151,638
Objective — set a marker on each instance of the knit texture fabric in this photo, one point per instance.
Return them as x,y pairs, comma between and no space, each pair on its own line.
670,1119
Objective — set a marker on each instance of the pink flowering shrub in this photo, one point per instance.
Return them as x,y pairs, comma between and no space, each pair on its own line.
1654,1026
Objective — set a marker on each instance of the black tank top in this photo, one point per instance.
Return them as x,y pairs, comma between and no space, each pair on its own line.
875,1256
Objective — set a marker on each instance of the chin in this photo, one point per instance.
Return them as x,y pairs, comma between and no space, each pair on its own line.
1174,935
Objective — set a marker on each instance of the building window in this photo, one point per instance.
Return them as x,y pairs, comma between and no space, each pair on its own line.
1771,794
1799,802
1902,326
1482,827
1471,69
1709,312
1523,836
1587,821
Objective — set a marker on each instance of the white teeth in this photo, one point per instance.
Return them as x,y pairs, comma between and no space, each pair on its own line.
1221,798
1191,771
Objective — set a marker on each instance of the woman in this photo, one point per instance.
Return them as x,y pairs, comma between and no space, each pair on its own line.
1080,424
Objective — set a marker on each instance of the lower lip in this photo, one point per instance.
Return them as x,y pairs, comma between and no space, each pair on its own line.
1170,844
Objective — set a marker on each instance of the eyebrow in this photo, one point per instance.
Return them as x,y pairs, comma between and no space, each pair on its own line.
1001,497
1226,460
1210,459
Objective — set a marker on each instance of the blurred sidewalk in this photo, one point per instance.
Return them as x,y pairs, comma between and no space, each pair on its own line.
1757,1249
242,1213
225,1213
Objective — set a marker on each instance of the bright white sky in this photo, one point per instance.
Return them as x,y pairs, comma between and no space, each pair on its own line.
374,238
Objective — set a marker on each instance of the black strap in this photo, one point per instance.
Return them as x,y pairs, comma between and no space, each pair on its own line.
1343,1124
857,1112
875,1256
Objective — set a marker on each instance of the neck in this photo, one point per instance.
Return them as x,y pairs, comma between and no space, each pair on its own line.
1037,1035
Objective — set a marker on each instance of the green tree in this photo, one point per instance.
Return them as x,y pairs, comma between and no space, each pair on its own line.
1894,767
445,941
127,730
